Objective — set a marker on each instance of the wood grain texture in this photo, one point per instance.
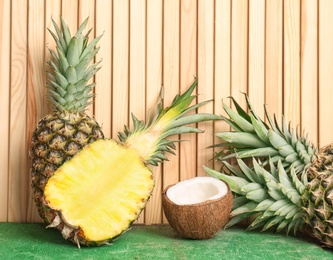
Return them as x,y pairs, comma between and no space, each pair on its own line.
137,65
279,52
171,78
291,58
222,65
239,49
256,63
70,12
103,79
206,82
153,210
18,176
274,57
52,11
188,70
36,91
325,71
5,107
86,8
309,69
120,66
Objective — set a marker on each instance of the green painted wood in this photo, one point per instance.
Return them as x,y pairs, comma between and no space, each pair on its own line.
33,241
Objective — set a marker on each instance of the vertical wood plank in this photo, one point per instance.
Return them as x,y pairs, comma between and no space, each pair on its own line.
120,66
137,64
309,69
291,64
70,13
239,50
52,11
188,70
206,81
36,92
137,95
171,28
325,71
18,178
86,9
222,70
279,52
5,17
256,65
103,79
274,57
153,209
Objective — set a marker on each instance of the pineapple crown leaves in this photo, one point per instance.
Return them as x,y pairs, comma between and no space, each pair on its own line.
150,138
252,137
70,71
274,197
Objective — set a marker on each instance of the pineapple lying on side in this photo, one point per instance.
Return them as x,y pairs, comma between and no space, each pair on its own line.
67,129
89,188
289,183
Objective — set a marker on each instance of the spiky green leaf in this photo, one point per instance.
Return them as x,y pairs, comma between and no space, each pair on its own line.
242,139
235,183
242,123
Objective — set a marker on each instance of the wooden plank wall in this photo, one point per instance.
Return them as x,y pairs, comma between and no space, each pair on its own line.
279,52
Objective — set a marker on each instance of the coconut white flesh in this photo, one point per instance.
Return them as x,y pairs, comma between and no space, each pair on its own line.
196,190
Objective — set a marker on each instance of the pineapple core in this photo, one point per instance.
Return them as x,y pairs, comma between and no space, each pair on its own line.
101,190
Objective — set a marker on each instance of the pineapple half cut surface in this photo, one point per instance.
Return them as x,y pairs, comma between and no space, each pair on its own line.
101,190
98,193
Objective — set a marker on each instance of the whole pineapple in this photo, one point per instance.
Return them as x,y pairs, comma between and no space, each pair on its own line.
99,192
289,182
67,129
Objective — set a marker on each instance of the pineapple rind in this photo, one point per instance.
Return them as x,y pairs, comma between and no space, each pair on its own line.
318,197
56,139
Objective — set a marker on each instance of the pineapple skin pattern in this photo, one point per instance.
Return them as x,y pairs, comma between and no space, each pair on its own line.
67,135
280,179
57,138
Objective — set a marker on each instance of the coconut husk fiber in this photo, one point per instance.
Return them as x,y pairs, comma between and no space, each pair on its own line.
198,221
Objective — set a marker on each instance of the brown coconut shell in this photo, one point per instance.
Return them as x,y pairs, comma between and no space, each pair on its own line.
198,221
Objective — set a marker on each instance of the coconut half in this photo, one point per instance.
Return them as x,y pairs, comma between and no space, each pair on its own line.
197,208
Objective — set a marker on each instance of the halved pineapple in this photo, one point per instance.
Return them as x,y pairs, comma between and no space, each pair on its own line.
100,191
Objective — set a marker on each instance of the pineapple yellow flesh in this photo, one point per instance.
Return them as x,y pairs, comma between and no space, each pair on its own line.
101,190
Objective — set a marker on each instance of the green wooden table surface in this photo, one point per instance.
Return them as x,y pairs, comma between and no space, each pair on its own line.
33,241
